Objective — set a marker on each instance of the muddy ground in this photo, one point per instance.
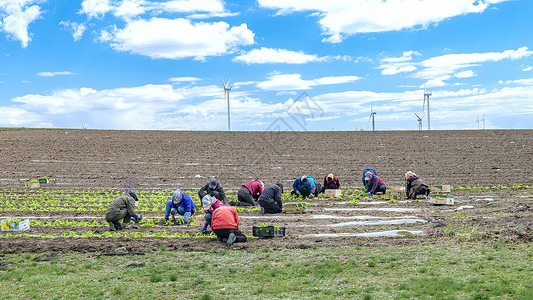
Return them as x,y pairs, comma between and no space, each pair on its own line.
93,159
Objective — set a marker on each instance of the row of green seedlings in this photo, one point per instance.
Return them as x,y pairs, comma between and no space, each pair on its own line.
90,234
145,222
150,200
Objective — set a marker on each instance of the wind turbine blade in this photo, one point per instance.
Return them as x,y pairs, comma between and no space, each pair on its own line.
227,83
223,83
418,116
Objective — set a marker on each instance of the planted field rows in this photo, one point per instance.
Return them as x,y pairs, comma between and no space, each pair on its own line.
351,218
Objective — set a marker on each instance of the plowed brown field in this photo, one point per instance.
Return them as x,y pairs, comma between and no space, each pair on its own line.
100,159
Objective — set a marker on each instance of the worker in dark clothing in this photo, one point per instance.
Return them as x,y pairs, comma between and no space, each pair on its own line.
415,186
270,199
330,182
122,208
249,193
214,189
374,184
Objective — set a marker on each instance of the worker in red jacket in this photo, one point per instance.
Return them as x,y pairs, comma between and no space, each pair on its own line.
249,193
225,224
330,182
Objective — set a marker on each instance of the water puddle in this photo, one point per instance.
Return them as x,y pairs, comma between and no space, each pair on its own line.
368,234
381,222
389,209
359,217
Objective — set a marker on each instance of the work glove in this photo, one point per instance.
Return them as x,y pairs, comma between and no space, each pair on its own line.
369,194
298,193
187,216
204,229
137,220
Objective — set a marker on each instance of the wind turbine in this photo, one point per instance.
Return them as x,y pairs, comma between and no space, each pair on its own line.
372,114
227,88
477,122
483,120
83,125
419,121
426,95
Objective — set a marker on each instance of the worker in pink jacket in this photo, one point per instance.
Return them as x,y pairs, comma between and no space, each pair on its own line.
249,193
210,204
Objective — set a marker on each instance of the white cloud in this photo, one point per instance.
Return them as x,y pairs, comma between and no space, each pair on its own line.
16,117
437,82
179,38
348,17
406,56
270,56
95,8
528,81
15,17
437,70
76,28
184,79
527,69
465,74
52,74
281,82
448,64
129,9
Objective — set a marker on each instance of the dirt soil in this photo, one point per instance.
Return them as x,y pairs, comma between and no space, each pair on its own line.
97,159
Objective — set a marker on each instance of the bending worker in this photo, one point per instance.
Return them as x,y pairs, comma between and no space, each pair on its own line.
122,208
374,184
214,189
179,204
305,186
330,182
415,186
249,193
225,224
270,199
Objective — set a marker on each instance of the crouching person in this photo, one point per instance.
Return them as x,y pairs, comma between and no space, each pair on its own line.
225,225
248,193
179,204
122,208
305,186
374,184
210,204
330,182
415,186
270,199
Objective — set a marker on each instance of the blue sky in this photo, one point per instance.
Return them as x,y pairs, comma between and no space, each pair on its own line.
293,64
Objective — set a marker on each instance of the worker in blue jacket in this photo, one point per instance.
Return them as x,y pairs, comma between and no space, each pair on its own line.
179,204
305,186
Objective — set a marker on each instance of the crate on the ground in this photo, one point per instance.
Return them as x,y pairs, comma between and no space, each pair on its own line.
200,220
33,184
441,188
295,208
332,193
441,199
394,195
396,188
15,226
268,231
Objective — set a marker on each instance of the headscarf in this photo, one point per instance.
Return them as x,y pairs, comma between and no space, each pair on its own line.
177,196
410,174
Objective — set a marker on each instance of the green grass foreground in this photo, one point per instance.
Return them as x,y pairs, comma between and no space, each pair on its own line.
443,271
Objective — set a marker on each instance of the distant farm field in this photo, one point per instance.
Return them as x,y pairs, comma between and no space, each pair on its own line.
490,173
